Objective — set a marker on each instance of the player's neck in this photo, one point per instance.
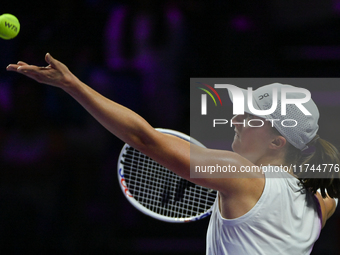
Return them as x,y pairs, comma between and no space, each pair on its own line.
269,160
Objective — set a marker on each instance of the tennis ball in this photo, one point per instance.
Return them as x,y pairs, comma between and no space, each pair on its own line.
9,26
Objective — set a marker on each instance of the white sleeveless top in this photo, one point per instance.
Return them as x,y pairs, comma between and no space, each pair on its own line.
285,220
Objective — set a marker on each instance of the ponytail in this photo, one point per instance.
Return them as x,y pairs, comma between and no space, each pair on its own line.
327,178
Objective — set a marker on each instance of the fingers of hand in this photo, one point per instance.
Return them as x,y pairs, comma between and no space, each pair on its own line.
30,71
26,68
12,67
54,63
22,63
50,60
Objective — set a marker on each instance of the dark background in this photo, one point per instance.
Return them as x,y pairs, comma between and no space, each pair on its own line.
58,187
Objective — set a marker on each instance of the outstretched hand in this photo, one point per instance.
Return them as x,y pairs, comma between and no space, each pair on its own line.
55,74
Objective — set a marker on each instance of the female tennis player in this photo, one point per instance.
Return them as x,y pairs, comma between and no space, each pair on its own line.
255,214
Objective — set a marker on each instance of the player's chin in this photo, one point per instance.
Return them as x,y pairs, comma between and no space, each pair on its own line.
235,146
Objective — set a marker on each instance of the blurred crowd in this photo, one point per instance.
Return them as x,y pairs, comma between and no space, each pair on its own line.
58,186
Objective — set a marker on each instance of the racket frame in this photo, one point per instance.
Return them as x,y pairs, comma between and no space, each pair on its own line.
142,208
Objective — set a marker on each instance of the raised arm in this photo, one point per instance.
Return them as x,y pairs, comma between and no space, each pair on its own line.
122,122
170,151
119,120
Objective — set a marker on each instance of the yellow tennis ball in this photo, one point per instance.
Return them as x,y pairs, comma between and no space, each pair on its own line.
9,26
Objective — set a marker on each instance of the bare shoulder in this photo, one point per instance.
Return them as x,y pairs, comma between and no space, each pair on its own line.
327,206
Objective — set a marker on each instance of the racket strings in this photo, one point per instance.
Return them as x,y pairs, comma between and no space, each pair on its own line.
162,191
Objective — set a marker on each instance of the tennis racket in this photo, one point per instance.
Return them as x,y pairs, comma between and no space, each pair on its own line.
160,193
